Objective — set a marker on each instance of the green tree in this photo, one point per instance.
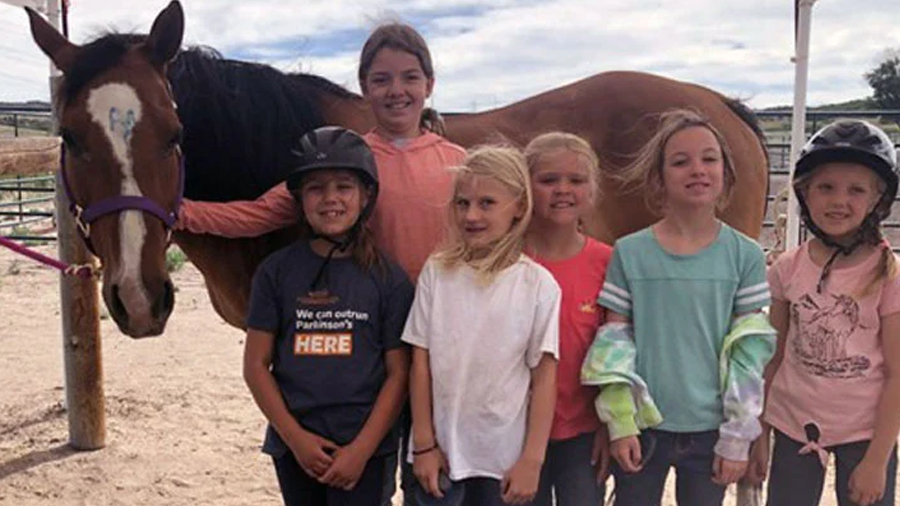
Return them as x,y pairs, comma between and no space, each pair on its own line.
885,81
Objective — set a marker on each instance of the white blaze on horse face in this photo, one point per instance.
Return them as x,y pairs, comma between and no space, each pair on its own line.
116,109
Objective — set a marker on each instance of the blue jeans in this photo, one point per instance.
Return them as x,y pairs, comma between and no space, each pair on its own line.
568,472
798,480
478,492
690,453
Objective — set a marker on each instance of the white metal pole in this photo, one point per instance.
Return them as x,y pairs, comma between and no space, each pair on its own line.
798,127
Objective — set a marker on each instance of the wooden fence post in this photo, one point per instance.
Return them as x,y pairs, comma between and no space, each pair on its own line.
82,350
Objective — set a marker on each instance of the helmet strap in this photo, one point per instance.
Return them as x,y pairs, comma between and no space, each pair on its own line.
336,246
868,232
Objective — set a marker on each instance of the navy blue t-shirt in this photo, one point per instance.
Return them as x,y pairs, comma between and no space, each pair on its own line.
329,350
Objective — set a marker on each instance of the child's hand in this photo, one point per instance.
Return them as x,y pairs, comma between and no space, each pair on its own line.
600,453
758,467
867,482
427,469
313,453
627,452
346,468
727,471
520,484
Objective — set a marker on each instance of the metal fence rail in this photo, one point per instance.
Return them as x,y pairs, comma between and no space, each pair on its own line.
26,209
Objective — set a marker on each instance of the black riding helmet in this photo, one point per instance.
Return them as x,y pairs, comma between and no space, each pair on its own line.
335,148
854,141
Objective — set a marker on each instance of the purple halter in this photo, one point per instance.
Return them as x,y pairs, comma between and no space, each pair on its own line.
84,216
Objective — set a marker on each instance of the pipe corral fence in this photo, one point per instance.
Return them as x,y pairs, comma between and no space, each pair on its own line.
26,202
25,120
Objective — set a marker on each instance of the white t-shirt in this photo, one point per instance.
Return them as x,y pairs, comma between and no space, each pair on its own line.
483,341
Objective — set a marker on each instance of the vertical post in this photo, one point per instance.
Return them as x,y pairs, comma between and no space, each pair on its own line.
19,197
82,352
15,125
798,130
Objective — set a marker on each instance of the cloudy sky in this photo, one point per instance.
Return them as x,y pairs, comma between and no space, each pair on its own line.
490,53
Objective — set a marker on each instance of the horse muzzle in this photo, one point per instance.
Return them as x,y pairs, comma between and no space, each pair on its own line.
140,311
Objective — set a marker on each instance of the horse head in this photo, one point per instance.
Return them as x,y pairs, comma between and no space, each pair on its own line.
122,168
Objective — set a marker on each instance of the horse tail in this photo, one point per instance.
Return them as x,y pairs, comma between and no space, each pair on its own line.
749,118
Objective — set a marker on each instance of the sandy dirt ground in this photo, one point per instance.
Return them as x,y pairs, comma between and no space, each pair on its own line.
182,428
26,156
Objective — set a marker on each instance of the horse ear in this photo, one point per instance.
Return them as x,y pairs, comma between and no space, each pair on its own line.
164,40
52,43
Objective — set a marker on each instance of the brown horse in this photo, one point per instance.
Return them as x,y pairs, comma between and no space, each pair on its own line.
240,120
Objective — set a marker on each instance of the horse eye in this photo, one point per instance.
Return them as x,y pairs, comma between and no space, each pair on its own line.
70,143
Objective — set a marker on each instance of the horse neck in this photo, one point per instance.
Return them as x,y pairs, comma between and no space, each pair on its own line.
349,112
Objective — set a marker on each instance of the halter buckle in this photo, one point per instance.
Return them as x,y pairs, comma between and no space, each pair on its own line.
85,228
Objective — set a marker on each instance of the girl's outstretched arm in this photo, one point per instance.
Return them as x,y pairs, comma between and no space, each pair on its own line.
867,481
310,450
428,458
521,482
350,461
273,210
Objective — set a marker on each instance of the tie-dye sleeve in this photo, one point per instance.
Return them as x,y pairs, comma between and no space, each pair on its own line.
747,349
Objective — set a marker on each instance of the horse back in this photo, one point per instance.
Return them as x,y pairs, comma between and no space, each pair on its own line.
618,112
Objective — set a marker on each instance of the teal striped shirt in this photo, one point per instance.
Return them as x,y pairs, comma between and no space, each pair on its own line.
682,307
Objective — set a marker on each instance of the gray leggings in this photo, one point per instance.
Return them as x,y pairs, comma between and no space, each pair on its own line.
798,480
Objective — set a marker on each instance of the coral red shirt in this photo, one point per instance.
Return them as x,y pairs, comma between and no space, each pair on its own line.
410,217
580,279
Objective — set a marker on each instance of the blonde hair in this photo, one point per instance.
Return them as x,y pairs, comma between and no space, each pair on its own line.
646,171
888,268
554,142
507,166
401,37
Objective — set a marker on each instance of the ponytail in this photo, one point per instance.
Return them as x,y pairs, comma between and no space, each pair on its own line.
887,270
432,121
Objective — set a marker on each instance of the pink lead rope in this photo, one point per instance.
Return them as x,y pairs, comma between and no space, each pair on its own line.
81,271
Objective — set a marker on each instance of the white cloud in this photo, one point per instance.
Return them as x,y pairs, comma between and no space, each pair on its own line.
492,52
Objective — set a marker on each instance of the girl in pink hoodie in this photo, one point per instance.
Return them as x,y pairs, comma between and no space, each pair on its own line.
396,76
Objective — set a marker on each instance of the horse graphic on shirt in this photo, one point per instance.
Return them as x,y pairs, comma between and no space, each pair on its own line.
824,328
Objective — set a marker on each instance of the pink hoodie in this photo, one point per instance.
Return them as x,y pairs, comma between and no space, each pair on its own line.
410,217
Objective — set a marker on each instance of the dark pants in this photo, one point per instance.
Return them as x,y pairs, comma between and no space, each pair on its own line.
568,474
407,478
690,453
798,480
478,492
301,489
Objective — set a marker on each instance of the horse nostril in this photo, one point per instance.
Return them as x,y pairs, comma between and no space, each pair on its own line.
117,309
163,304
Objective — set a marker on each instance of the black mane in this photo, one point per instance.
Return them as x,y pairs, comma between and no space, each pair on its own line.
240,119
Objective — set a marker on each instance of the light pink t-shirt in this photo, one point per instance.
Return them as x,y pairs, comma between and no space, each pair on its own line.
833,370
